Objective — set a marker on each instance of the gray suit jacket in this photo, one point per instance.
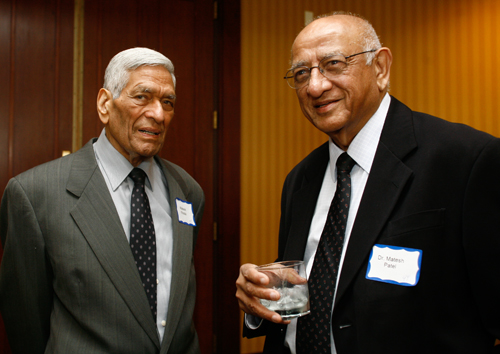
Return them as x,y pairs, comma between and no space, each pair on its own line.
68,281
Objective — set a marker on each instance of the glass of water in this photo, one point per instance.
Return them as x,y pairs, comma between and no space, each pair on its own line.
289,279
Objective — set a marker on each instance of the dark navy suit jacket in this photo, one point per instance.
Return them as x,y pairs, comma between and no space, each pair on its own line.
434,186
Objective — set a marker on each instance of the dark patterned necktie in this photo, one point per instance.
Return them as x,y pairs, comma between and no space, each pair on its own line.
313,330
142,236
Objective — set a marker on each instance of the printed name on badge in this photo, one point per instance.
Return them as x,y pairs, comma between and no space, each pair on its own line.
185,212
394,265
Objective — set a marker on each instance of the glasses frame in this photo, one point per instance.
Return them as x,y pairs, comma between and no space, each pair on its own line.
319,69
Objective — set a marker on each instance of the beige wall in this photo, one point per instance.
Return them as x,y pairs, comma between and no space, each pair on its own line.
446,59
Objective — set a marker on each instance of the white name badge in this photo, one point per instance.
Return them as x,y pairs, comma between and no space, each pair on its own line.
185,212
394,265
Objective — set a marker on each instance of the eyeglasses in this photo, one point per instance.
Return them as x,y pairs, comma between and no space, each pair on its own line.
330,67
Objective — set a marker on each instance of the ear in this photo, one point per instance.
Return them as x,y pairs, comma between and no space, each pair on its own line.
382,63
104,105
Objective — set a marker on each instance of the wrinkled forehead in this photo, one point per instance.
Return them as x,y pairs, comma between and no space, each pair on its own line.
322,38
151,79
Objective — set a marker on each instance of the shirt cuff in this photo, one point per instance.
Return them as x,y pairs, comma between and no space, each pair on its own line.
253,322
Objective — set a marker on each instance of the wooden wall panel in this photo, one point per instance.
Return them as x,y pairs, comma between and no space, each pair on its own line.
39,102
445,63
144,26
34,38
227,213
6,13
63,100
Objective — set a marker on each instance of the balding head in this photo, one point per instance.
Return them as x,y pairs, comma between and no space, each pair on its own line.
351,79
358,31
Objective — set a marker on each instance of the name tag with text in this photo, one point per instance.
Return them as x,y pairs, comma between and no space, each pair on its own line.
394,265
185,212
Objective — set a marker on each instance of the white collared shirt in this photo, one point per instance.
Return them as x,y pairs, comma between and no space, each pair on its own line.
362,149
115,168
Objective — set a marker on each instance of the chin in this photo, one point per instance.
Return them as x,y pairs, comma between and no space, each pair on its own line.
328,124
148,150
151,153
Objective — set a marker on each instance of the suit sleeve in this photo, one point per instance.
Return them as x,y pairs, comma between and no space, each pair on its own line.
200,200
481,225
25,275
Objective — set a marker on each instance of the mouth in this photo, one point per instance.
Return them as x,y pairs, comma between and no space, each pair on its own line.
149,132
325,104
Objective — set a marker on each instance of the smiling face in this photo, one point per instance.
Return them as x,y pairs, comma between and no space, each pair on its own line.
137,121
342,106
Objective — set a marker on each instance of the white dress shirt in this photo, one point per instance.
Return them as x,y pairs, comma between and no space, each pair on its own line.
362,149
115,169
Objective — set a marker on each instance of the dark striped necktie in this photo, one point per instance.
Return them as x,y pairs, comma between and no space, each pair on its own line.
313,330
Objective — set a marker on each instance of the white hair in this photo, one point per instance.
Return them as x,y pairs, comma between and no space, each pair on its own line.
118,71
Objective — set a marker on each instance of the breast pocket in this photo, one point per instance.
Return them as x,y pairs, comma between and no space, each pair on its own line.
418,222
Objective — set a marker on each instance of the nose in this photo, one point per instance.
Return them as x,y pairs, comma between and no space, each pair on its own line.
155,111
318,83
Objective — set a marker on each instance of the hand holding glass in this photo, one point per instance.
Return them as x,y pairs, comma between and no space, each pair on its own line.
289,279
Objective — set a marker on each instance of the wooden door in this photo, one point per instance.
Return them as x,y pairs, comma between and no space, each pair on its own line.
201,37
36,61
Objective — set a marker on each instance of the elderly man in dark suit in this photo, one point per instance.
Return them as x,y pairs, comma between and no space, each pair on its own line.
413,229
98,245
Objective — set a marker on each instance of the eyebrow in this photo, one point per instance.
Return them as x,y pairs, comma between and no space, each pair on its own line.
297,64
145,89
304,63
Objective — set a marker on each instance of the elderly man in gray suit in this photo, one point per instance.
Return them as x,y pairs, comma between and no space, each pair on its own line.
79,274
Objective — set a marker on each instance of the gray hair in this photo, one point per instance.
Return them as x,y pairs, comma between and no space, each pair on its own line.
368,40
118,71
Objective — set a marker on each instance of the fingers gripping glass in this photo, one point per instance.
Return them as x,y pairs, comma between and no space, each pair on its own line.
330,67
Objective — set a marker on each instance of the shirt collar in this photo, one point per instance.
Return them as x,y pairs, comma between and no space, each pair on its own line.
364,145
115,166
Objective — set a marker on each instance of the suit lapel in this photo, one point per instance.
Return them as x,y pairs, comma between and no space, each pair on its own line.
98,220
385,184
181,256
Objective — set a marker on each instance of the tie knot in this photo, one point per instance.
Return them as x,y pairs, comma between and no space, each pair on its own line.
345,163
138,175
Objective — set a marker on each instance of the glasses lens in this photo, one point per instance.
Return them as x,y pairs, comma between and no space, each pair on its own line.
298,77
289,79
333,66
330,67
